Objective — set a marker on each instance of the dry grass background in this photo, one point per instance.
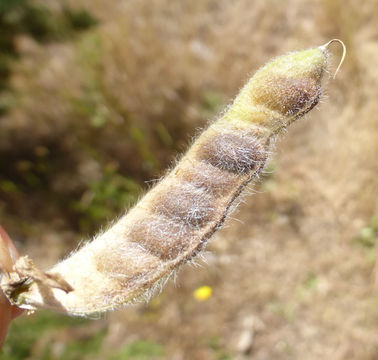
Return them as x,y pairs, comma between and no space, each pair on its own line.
295,278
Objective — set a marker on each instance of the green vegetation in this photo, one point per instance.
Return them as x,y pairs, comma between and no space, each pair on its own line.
140,350
49,336
220,353
27,17
106,198
48,325
368,235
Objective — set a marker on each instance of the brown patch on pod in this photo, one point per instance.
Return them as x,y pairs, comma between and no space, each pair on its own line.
184,203
162,237
203,174
236,152
288,95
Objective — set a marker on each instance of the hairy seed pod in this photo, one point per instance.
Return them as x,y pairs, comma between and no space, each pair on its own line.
175,219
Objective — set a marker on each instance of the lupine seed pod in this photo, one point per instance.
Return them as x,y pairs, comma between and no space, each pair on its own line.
175,219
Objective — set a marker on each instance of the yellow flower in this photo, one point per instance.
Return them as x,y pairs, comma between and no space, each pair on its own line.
202,293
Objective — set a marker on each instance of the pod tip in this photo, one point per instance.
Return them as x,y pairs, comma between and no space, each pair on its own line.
325,47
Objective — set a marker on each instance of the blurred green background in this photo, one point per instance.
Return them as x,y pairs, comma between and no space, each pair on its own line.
98,98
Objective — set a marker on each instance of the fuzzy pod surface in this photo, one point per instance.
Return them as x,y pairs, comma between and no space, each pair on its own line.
176,218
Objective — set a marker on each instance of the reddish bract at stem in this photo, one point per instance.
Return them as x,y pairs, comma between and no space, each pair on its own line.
8,255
